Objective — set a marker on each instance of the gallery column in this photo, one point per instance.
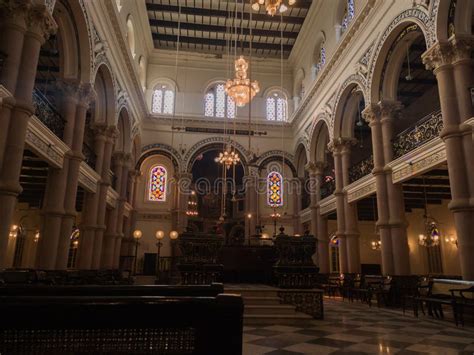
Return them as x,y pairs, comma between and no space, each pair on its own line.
75,157
322,222
251,193
442,58
121,210
336,147
372,114
351,231
389,111
24,28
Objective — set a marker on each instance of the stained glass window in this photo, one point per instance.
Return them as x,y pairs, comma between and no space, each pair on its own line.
321,61
277,109
163,100
275,189
157,188
218,104
348,15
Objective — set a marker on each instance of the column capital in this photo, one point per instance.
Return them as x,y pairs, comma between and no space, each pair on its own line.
120,158
316,168
371,113
87,94
457,48
390,109
70,88
41,21
340,144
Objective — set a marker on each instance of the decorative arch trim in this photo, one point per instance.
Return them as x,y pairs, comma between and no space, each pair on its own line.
160,149
276,155
210,143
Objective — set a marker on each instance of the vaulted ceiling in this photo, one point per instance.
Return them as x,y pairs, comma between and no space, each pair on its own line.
205,26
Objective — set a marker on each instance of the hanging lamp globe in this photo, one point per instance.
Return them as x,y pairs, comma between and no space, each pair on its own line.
273,6
241,89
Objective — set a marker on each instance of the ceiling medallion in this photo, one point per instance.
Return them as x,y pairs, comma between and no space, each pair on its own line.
241,89
272,6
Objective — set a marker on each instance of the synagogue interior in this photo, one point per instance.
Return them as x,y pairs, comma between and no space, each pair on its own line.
236,176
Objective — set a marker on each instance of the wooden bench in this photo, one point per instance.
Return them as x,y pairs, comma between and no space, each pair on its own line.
462,298
113,290
131,325
437,293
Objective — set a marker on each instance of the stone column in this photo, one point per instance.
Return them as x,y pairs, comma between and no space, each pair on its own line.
350,213
53,204
335,146
30,24
441,57
396,205
312,186
322,222
104,184
182,190
110,236
75,157
297,185
121,210
91,206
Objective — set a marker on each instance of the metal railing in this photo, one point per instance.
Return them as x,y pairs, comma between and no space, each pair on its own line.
361,169
424,130
47,113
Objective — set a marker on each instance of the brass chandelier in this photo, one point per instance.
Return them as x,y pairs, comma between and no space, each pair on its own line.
272,6
228,157
241,89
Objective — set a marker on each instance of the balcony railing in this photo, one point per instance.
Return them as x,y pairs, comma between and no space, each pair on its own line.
89,154
328,186
361,169
47,114
428,128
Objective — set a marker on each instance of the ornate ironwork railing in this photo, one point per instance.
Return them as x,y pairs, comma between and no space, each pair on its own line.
361,169
426,129
328,186
48,114
89,154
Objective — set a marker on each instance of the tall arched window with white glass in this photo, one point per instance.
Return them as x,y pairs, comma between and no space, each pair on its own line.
163,99
321,61
277,106
349,12
217,103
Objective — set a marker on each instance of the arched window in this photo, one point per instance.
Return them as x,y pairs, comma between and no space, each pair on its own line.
321,61
218,104
275,189
163,100
131,35
157,187
277,107
348,15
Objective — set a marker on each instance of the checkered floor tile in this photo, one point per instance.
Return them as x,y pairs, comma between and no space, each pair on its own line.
353,328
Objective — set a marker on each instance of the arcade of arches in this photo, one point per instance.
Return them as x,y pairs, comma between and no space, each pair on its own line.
106,129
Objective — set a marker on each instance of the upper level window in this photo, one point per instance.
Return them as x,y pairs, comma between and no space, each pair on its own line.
163,100
157,187
275,189
277,107
348,15
218,104
321,61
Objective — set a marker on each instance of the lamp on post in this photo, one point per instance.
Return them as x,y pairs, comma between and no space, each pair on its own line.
249,218
137,234
275,216
159,235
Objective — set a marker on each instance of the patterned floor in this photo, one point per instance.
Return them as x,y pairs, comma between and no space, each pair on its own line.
356,329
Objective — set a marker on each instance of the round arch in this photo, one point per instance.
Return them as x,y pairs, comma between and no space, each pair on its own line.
399,24
319,141
160,149
75,51
279,157
301,159
105,96
347,104
211,144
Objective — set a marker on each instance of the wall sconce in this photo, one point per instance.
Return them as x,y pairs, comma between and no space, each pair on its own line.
451,239
376,244
13,231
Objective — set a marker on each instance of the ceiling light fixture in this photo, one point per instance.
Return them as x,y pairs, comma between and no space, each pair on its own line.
273,6
241,89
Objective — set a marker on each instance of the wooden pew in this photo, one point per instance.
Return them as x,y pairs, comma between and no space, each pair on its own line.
113,290
462,299
131,325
